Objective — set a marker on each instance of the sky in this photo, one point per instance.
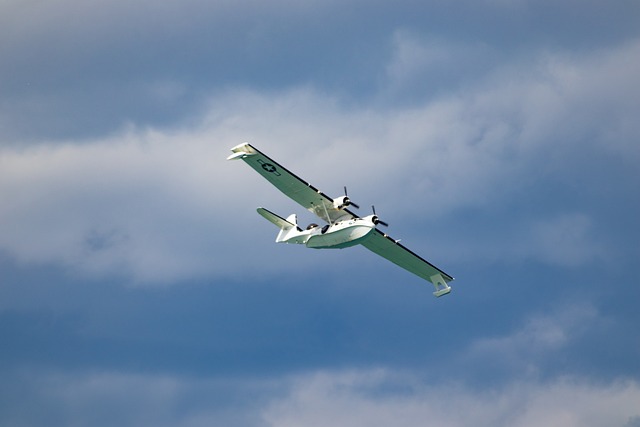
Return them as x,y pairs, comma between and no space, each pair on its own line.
498,138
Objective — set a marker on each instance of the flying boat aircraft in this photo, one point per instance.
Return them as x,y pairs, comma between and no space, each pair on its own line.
343,227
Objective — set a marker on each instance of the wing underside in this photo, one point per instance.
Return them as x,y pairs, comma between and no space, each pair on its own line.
290,184
386,247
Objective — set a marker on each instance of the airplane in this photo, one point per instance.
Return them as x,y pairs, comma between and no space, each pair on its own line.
343,227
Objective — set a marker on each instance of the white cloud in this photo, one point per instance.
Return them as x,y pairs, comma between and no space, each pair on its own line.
159,205
382,398
142,203
365,397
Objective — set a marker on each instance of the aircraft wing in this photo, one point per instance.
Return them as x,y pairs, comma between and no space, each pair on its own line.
385,246
297,189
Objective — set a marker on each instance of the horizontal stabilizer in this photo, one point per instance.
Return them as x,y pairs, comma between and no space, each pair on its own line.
280,222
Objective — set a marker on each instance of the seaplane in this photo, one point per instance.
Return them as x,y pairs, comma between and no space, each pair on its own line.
342,229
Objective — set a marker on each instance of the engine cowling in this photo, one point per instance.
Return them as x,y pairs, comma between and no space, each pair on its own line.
376,220
373,218
342,202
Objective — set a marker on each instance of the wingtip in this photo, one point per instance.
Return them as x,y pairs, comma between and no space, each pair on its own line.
442,292
242,151
236,156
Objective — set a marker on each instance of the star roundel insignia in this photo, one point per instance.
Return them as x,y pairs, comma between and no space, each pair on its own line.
268,167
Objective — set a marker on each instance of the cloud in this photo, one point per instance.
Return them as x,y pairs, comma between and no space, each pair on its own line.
563,241
427,66
160,204
128,399
146,204
359,397
535,347
379,398
153,63
503,135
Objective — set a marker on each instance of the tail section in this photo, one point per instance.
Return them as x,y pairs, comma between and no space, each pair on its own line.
289,230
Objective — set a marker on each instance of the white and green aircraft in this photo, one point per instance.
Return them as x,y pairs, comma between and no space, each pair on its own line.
343,229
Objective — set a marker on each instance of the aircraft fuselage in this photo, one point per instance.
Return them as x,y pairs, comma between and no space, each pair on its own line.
338,235
342,234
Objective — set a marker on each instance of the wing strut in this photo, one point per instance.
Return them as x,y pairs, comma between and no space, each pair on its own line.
327,214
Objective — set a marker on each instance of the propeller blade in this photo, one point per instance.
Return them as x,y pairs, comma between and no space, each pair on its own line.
378,221
350,202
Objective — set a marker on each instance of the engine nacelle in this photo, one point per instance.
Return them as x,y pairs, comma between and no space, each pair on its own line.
375,220
341,202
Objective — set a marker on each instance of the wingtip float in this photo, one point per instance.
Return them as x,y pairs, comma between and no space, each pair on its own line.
343,227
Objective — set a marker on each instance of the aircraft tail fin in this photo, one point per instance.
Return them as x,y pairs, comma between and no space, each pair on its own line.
288,227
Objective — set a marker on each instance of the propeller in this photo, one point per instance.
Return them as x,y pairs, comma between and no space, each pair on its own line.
348,201
377,220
